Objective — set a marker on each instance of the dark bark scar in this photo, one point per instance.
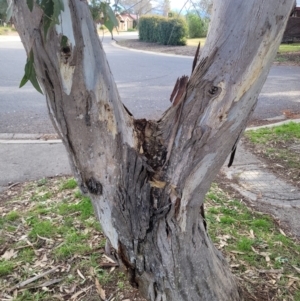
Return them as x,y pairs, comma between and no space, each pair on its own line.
128,265
177,207
94,186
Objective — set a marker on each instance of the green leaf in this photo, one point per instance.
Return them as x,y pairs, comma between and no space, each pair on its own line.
110,20
48,7
28,70
58,7
52,10
29,64
23,81
9,11
30,73
34,82
109,25
30,4
111,15
64,42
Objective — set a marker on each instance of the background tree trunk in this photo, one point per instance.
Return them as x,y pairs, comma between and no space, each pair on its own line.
147,179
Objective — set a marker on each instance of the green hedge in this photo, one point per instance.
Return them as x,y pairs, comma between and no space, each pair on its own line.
166,31
172,31
148,28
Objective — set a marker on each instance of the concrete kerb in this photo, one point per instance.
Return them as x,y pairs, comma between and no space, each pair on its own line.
9,138
151,52
32,158
10,38
254,128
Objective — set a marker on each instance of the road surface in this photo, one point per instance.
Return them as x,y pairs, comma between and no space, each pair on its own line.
145,82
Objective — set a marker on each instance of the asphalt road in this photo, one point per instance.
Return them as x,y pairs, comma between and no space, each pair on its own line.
145,82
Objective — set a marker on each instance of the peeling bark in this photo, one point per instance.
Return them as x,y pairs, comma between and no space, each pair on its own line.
147,179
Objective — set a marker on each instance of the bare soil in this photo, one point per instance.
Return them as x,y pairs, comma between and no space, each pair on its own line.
154,47
281,59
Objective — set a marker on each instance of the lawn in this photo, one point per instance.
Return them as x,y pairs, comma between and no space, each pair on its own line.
6,30
195,42
52,248
280,146
283,48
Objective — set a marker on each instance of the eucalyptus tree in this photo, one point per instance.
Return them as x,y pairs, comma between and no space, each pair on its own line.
204,6
138,7
147,178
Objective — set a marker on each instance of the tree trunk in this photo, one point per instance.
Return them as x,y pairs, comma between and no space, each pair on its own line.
147,179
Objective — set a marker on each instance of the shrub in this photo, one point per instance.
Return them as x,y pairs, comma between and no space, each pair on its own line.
197,27
172,31
166,31
148,28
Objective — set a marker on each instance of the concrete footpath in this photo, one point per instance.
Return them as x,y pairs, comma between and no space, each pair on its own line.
264,190
29,159
25,158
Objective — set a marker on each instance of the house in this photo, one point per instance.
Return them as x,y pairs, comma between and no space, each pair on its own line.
292,30
296,12
126,21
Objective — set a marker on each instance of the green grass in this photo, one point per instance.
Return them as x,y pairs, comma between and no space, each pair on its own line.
261,223
41,196
43,228
227,220
50,223
294,47
84,207
62,231
6,267
244,244
6,30
12,216
26,255
253,240
73,245
286,52
69,184
283,48
42,182
31,296
72,248
195,42
286,132
278,145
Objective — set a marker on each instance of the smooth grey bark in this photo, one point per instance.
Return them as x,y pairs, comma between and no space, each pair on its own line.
147,179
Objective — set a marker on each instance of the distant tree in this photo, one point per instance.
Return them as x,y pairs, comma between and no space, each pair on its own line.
138,7
3,8
197,26
204,7
163,6
166,7
95,8
102,13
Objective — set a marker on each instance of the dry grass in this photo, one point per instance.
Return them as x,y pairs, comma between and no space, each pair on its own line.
49,227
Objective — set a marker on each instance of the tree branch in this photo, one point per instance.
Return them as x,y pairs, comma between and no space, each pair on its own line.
222,92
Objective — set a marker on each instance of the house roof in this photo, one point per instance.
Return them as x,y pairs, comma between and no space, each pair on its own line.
131,16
